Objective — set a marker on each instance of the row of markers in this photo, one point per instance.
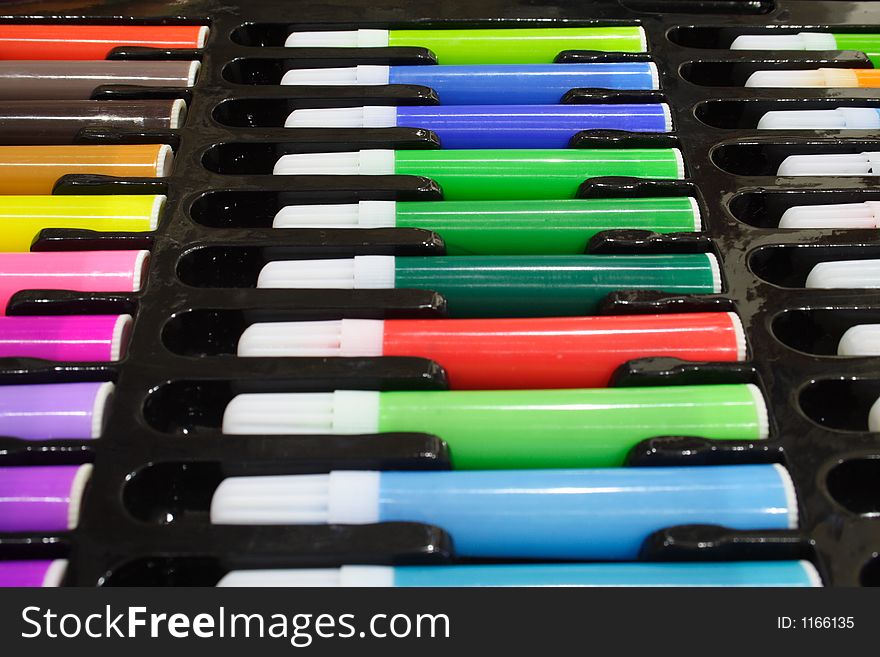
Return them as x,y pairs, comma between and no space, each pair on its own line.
528,412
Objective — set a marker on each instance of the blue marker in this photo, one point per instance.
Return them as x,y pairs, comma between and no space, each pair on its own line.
494,126
513,84
728,573
540,514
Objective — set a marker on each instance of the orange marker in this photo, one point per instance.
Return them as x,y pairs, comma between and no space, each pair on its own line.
92,41
819,77
35,169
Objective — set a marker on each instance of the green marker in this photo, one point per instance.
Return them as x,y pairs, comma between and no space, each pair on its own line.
493,46
509,174
549,227
515,429
862,42
505,286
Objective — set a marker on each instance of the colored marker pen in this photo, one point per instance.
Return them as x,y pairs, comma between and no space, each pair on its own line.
83,338
725,573
76,41
54,410
602,514
497,354
820,78
42,498
512,429
527,227
860,340
23,217
82,271
514,84
505,286
839,215
484,46
32,574
507,174
843,274
831,164
494,126
841,118
866,43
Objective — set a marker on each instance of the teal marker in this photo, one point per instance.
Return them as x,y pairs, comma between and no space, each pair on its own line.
867,43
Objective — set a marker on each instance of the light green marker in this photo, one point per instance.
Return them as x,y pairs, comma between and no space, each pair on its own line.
861,42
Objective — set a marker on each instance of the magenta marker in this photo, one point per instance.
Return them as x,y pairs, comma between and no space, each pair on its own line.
32,574
42,498
84,338
54,410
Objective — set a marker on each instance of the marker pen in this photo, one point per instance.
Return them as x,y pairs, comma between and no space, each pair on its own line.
36,169
514,84
512,429
32,574
874,417
484,46
866,43
602,514
494,126
505,286
724,573
83,338
51,80
77,41
843,274
820,77
860,340
28,122
841,118
23,217
82,271
831,164
526,227
839,215
42,498
486,174
54,410
497,354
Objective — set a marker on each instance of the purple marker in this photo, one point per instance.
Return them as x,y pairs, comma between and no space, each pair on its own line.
32,574
54,410
41,498
84,338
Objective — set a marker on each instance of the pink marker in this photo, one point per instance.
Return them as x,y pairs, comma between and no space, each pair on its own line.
83,338
83,271
32,574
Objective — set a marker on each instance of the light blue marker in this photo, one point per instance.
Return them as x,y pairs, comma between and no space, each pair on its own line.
840,118
721,574
587,514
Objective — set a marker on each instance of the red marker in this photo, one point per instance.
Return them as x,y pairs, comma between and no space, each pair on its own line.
494,354
80,42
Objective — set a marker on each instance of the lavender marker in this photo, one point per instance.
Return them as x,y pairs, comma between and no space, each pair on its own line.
32,574
54,410
41,498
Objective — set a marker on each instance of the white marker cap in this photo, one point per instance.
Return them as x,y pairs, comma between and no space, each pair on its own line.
874,417
842,118
344,577
353,163
799,41
338,39
343,412
55,573
371,116
365,214
831,164
841,215
820,77
860,340
358,273
77,490
343,338
345,76
846,274
337,498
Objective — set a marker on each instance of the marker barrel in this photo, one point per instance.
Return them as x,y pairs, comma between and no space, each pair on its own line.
23,217
866,43
83,271
85,338
73,41
32,574
54,410
41,498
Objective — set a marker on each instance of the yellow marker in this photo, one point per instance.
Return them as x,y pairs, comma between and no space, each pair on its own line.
23,217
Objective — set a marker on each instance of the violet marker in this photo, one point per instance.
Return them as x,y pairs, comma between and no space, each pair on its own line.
32,574
41,498
54,410
82,338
